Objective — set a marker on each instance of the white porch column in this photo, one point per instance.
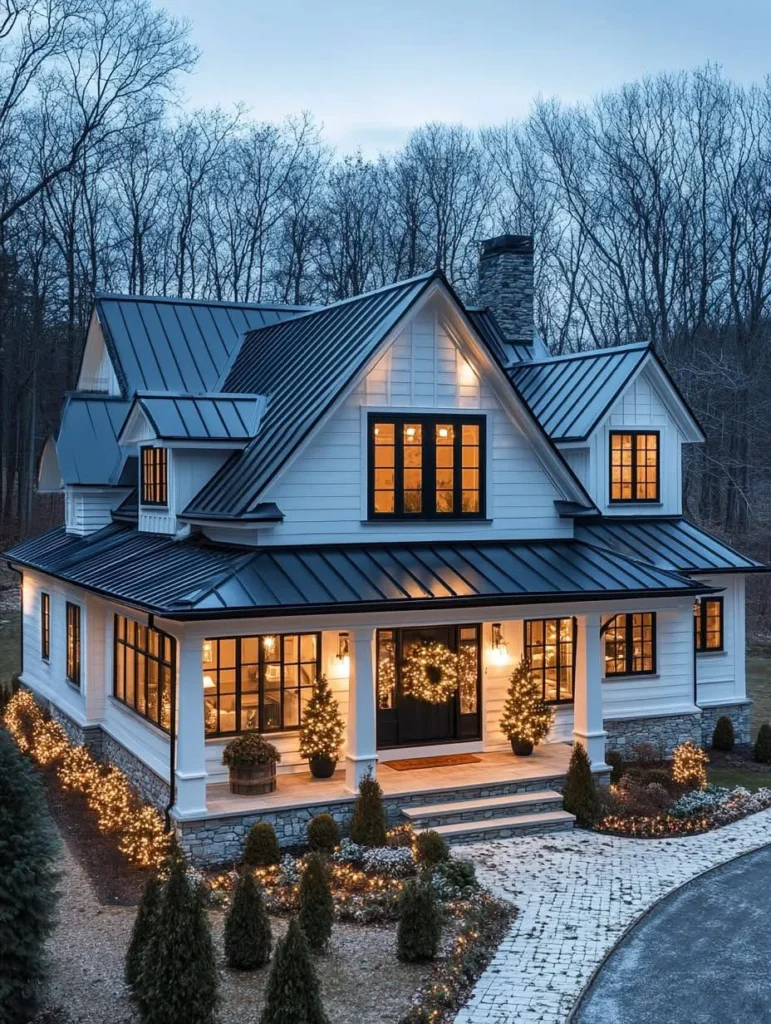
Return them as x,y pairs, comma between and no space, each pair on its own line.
191,739
361,739
587,703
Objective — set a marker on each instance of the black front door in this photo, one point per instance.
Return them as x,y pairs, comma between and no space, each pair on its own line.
403,720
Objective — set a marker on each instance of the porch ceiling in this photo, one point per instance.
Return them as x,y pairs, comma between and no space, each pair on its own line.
198,580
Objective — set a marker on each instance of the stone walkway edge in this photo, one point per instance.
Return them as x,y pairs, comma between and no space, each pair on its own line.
578,894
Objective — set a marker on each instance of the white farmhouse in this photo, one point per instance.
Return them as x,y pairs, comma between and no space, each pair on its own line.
258,495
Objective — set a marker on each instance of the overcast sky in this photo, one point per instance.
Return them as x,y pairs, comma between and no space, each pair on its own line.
372,71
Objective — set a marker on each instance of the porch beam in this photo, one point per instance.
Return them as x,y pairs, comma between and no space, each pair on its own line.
191,738
587,708
361,739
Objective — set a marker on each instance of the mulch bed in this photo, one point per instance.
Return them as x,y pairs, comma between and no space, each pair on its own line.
740,757
115,881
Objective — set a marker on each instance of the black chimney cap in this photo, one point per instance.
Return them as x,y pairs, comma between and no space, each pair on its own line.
522,245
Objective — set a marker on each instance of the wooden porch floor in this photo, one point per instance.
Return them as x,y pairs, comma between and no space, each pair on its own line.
300,789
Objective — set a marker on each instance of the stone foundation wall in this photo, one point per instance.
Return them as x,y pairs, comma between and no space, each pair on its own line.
739,715
666,732
151,787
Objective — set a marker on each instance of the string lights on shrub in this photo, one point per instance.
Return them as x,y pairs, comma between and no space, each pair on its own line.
430,672
689,765
137,827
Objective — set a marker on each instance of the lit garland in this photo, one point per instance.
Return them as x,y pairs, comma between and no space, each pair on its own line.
689,765
526,715
138,827
659,826
321,732
430,673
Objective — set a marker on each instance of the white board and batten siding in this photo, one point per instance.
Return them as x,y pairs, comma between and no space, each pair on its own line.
88,509
188,470
641,408
323,492
721,674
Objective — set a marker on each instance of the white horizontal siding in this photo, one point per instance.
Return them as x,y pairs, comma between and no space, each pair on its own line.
323,493
87,509
721,675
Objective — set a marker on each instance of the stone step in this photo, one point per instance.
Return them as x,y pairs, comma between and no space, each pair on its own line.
505,828
482,808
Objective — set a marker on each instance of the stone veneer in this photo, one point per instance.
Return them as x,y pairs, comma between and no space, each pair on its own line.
506,284
664,731
739,715
151,787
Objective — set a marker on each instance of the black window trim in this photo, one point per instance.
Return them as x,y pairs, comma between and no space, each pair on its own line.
75,620
557,618
429,467
701,603
629,670
142,500
260,688
171,665
45,625
634,500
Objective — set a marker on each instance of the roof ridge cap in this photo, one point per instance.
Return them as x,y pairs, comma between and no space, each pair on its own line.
635,346
182,300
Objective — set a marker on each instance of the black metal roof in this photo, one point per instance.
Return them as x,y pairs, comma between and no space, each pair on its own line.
160,344
302,364
87,448
671,543
571,394
201,417
197,579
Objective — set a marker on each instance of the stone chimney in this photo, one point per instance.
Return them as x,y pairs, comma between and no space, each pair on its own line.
506,284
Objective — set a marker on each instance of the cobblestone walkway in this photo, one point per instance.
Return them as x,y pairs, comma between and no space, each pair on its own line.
576,894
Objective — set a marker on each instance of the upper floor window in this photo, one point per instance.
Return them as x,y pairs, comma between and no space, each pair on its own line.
154,476
45,626
634,466
143,664
426,467
259,682
708,624
73,643
550,653
630,644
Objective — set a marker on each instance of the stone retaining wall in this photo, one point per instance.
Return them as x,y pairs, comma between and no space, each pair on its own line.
739,715
666,732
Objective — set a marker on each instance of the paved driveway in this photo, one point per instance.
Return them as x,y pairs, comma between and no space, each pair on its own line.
700,957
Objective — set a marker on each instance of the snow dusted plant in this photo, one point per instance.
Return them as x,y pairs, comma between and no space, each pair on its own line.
393,862
700,800
349,853
289,872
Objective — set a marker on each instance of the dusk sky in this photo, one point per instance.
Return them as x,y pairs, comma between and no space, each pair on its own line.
372,71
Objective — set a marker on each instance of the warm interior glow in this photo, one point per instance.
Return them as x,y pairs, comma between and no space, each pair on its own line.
208,683
206,652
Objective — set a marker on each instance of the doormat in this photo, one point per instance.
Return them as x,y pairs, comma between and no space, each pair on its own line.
411,763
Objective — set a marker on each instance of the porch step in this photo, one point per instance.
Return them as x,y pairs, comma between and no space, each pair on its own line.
482,809
505,828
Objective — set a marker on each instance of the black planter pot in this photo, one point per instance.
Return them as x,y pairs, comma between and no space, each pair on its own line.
522,748
322,767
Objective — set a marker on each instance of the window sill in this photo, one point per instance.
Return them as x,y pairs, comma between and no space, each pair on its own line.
426,520
712,654
73,685
630,504
631,677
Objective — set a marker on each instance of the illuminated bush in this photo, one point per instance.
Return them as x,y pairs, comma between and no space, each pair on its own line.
689,765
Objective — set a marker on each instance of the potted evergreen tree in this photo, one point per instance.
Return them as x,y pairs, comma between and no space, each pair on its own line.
252,763
526,717
321,732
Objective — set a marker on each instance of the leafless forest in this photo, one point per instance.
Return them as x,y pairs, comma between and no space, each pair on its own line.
651,210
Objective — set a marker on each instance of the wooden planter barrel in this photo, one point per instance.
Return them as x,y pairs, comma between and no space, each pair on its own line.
253,779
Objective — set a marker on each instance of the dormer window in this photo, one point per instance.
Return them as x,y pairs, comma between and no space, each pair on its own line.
426,467
154,476
634,466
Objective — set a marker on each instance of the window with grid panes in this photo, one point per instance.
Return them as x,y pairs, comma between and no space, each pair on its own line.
550,653
143,665
634,466
708,624
154,476
630,644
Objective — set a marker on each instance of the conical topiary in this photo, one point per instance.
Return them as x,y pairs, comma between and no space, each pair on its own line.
293,994
723,735
261,849
762,749
179,975
420,925
247,926
321,732
368,824
28,849
526,716
144,923
317,910
579,795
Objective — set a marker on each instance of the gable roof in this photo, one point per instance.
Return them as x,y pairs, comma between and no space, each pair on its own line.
670,542
301,365
198,579
571,394
182,345
87,448
211,417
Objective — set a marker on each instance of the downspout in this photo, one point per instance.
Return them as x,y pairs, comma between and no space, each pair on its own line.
172,724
